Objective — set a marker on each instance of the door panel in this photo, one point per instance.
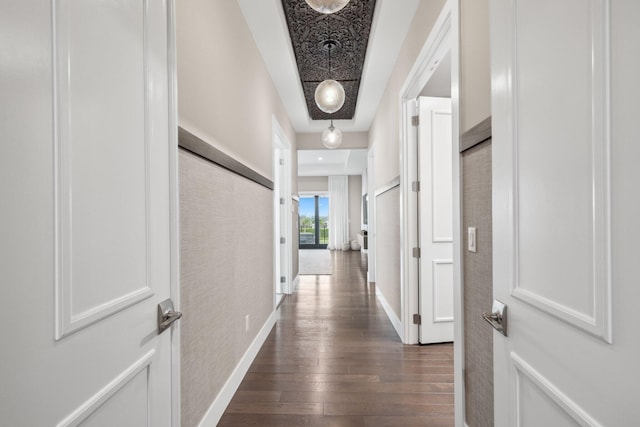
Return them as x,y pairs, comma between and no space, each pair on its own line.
572,183
435,220
555,152
102,160
87,246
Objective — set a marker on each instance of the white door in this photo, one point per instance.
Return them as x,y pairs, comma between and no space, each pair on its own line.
565,211
86,181
285,227
435,220
281,215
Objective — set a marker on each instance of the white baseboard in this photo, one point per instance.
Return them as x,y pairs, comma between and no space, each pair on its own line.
295,284
219,405
395,321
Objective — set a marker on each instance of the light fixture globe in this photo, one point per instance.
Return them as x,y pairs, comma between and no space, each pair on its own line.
327,6
329,96
331,137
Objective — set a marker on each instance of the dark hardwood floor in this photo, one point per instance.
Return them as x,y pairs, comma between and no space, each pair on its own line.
334,359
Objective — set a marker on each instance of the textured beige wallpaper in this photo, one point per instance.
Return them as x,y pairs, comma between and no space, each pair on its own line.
226,269
388,247
478,285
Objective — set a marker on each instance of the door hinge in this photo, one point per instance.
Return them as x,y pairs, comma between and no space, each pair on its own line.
415,186
283,240
283,279
417,319
415,120
281,162
282,200
416,252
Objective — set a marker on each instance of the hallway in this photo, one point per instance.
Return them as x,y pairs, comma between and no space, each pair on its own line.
334,359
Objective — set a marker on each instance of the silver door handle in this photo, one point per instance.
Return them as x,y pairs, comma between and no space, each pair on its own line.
166,315
498,317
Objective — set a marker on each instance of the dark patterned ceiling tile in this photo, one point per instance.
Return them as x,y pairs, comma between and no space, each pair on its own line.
349,29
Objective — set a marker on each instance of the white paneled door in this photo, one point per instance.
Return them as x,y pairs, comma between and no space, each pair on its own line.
565,207
436,220
87,184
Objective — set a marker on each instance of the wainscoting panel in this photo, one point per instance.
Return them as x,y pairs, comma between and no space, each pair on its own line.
226,268
388,246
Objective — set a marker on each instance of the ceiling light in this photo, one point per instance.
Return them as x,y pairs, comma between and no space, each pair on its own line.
327,6
332,137
320,158
330,96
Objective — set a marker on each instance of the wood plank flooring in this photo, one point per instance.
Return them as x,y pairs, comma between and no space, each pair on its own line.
334,359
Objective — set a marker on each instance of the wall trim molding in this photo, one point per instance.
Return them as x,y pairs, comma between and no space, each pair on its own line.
222,400
476,135
395,182
395,321
199,147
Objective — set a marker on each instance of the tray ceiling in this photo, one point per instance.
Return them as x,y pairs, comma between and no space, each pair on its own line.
313,33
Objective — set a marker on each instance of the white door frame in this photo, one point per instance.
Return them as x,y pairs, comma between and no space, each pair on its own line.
281,145
437,45
176,401
371,216
444,38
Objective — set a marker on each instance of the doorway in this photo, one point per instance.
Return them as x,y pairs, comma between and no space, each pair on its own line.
428,217
314,222
282,206
435,209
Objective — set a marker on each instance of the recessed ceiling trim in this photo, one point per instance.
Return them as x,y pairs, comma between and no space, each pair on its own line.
267,23
330,46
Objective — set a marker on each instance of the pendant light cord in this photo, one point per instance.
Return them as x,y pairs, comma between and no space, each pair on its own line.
330,45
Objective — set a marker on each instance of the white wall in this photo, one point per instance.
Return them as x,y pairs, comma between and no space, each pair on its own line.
385,130
313,183
226,98
226,95
313,141
475,73
384,138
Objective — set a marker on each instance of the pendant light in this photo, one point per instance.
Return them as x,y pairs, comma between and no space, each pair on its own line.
329,94
332,137
327,6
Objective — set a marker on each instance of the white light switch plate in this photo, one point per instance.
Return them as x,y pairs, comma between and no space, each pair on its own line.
472,239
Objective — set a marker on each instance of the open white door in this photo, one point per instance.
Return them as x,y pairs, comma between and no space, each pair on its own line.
435,220
86,253
565,211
